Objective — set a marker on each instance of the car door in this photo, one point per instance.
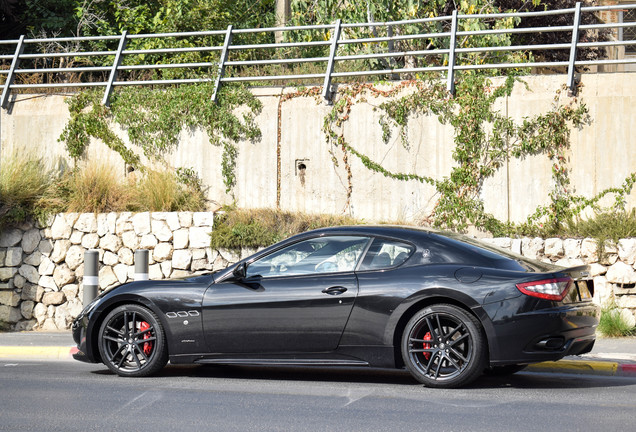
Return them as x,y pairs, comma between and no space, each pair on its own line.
295,299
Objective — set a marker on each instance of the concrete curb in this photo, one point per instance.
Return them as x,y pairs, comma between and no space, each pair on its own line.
585,367
36,352
581,367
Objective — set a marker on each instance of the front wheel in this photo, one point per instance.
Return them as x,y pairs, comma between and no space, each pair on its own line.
443,346
132,342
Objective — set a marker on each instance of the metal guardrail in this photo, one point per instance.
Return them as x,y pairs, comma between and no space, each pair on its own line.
336,41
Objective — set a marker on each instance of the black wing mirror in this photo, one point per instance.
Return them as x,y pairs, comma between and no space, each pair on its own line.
240,271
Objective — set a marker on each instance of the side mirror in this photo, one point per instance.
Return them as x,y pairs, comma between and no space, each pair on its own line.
240,271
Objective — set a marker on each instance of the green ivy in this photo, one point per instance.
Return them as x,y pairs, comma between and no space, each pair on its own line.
153,120
484,139
228,162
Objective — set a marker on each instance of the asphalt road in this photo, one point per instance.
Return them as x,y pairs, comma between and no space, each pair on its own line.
72,396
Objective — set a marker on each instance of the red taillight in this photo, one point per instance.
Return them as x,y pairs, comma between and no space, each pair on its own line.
549,289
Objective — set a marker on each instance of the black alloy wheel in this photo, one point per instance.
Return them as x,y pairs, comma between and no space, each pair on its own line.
443,346
132,342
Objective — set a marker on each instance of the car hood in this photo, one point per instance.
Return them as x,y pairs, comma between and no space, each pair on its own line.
145,285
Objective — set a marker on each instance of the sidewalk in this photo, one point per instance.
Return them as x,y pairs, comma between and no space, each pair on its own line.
610,357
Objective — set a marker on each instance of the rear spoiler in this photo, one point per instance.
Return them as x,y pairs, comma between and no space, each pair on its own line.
581,272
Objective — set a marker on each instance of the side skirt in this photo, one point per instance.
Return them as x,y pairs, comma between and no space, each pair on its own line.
374,356
282,362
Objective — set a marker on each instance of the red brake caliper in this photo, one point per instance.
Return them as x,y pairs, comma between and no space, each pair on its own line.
427,337
143,326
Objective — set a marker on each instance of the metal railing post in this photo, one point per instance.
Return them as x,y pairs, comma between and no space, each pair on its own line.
450,79
327,94
573,48
14,64
91,275
141,264
113,71
224,54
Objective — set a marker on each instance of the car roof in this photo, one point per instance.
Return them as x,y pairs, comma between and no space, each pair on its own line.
399,231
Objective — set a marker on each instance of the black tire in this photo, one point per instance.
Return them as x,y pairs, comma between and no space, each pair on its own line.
444,347
132,342
504,370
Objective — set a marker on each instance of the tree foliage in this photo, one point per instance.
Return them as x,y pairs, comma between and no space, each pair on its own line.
104,17
111,17
375,12
555,20
68,18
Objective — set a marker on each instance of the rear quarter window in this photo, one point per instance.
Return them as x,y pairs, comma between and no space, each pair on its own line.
386,253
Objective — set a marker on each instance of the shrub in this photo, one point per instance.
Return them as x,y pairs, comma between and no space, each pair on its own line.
254,228
612,323
606,225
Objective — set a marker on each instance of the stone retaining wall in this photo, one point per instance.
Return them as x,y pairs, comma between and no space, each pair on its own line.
41,268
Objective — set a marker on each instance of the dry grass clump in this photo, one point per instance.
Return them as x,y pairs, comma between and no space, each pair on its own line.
29,190
161,190
23,182
605,225
96,188
253,228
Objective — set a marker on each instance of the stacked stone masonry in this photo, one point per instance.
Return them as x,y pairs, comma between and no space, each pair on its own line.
41,268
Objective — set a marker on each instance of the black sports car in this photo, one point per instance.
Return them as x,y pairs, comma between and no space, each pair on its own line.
446,307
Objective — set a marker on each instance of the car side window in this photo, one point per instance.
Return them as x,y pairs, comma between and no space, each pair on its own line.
385,253
313,256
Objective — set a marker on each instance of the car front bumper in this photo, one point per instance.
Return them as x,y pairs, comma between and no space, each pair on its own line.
79,336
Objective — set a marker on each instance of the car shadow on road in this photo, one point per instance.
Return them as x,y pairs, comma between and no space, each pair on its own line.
536,380
296,373
521,380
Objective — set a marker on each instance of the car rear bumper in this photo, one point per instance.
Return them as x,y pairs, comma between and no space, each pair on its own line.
545,334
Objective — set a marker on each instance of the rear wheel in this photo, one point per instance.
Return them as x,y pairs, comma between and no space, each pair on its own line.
443,346
132,342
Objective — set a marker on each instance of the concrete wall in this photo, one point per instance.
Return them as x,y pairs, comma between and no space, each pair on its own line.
602,154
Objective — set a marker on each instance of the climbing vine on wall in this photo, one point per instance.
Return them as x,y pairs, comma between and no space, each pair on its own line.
484,139
153,120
